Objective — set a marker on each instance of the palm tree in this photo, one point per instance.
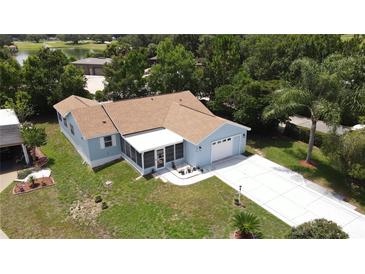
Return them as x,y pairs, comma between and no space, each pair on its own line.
312,87
247,224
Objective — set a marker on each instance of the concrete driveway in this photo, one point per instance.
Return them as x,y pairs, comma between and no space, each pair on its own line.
286,194
7,178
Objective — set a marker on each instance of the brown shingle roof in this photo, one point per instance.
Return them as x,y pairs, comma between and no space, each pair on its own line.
73,102
180,112
191,124
93,121
130,116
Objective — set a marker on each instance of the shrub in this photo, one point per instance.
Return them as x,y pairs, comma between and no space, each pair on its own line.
104,205
98,199
302,134
349,154
247,224
24,173
318,229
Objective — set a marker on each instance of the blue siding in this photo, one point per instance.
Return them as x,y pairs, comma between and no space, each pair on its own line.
97,153
77,139
190,153
202,156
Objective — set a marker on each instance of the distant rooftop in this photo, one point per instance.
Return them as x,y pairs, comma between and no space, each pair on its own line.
8,117
93,61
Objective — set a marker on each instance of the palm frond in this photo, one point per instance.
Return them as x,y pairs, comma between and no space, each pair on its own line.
287,101
327,111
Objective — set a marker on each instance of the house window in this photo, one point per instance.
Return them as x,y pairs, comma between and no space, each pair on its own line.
133,154
65,122
149,159
179,151
128,149
122,143
72,129
170,153
59,117
108,141
139,159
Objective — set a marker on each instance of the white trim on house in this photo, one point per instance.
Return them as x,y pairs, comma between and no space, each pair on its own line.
212,132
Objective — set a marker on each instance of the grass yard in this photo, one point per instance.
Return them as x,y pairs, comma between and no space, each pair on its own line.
28,45
144,208
288,152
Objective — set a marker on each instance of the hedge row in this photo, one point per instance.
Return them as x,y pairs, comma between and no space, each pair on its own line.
302,134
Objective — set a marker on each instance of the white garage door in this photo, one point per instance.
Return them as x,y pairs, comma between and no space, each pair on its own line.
222,149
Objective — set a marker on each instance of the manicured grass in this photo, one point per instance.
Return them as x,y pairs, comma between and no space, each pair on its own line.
27,45
144,208
288,153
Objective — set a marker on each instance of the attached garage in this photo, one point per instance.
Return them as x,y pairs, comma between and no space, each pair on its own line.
222,149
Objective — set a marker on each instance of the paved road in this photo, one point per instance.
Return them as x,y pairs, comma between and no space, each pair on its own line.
286,194
321,126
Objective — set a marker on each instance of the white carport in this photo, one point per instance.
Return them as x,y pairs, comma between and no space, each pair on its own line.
9,131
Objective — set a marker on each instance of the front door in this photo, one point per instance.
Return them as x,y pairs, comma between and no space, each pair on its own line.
160,158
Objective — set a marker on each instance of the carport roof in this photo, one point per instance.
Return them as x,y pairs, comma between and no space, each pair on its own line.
153,139
8,117
10,136
9,128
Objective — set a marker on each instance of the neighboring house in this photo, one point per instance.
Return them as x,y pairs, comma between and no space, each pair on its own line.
151,132
92,66
11,140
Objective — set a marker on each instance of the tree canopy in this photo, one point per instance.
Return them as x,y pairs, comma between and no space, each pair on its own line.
312,87
176,69
48,78
221,60
124,75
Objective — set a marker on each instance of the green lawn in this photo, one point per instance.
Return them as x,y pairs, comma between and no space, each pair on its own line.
144,208
288,152
27,45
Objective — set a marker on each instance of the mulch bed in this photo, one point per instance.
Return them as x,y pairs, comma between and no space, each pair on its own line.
310,165
238,235
21,188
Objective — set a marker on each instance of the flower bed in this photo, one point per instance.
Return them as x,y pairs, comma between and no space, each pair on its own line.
21,188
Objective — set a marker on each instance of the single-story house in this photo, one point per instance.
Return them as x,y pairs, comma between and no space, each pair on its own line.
92,66
150,132
11,141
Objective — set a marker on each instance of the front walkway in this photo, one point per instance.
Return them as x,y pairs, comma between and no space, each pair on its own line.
286,194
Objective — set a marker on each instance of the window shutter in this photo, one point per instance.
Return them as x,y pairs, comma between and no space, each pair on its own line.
102,144
113,141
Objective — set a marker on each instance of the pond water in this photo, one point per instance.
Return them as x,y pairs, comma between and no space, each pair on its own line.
77,53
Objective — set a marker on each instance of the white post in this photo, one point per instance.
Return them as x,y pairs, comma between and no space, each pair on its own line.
25,154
